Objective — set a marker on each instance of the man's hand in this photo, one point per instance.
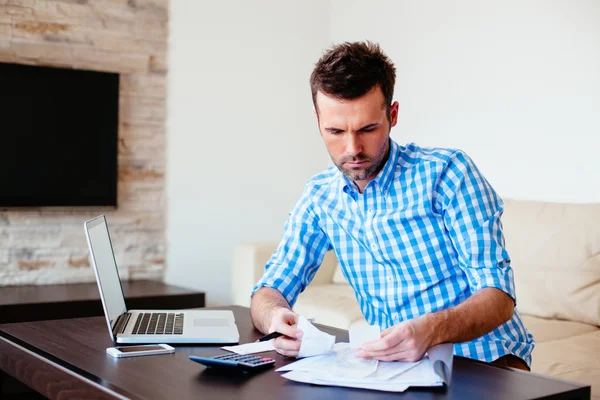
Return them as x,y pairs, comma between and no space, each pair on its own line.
272,313
284,321
406,341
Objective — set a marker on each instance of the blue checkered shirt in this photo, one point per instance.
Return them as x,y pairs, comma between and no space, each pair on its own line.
424,236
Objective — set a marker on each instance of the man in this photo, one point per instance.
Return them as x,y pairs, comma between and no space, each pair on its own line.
416,230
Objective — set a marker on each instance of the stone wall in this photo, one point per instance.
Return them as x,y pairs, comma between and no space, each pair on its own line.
47,245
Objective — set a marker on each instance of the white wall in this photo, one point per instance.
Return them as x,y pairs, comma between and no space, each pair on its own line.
514,83
242,139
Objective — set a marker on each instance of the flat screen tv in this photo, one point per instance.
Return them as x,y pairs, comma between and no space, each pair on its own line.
59,137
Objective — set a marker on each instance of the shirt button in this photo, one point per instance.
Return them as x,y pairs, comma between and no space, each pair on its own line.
370,211
374,246
390,279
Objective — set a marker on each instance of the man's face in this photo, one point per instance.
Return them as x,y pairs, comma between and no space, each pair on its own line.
356,133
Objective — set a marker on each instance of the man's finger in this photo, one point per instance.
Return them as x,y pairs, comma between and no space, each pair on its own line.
290,318
281,343
364,353
387,331
286,316
397,356
383,344
404,355
397,353
404,345
287,330
287,353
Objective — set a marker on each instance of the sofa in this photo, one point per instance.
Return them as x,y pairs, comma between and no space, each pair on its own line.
555,253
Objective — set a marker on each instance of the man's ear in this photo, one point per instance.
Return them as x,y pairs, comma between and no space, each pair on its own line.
394,113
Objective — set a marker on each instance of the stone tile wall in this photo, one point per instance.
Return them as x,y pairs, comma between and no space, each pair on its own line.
47,245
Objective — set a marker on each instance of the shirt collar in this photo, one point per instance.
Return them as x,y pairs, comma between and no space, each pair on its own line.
383,178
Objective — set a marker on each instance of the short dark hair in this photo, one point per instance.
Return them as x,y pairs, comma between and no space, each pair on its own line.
351,69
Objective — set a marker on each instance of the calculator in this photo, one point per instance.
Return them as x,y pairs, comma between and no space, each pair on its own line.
241,362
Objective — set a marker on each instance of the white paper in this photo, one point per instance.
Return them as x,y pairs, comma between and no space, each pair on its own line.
388,376
307,377
421,375
251,348
313,342
317,364
324,367
347,365
362,334
442,356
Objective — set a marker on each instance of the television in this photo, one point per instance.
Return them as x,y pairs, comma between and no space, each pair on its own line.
59,137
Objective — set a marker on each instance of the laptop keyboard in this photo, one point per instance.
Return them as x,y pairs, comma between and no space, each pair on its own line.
158,324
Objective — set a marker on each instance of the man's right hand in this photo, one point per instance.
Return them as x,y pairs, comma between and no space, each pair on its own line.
284,321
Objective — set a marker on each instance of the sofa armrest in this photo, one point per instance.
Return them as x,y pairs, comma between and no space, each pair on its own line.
249,260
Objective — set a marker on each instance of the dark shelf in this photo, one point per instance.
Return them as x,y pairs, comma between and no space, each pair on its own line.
45,302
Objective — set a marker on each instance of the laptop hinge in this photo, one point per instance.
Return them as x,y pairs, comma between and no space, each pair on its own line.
121,323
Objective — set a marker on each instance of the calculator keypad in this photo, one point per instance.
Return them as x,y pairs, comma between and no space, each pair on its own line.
246,359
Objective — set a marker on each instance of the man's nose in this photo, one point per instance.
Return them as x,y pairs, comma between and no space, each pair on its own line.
353,145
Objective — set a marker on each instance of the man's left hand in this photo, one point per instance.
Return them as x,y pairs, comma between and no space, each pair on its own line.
406,341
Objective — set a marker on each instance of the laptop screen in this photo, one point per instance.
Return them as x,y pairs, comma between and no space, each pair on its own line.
106,268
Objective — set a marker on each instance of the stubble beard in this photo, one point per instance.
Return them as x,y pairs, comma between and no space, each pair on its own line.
362,173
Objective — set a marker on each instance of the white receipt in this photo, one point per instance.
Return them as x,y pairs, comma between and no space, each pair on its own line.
251,348
314,342
362,334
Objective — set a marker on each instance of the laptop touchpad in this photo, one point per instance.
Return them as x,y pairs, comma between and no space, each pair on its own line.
210,322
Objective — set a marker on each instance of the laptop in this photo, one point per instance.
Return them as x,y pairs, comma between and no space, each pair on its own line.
149,326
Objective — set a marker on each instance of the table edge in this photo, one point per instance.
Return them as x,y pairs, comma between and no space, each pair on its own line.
77,374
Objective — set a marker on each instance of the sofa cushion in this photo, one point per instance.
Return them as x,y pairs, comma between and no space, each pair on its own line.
545,330
333,305
575,358
555,253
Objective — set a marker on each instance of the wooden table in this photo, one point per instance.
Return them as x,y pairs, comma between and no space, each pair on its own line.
43,302
67,358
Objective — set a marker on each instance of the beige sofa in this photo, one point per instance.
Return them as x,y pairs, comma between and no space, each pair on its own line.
555,252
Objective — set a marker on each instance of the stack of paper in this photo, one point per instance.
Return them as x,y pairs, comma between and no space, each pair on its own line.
339,367
394,376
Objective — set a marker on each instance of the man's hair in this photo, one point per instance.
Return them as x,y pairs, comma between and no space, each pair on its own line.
350,70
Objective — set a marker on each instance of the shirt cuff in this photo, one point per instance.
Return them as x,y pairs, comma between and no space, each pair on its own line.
500,277
278,284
